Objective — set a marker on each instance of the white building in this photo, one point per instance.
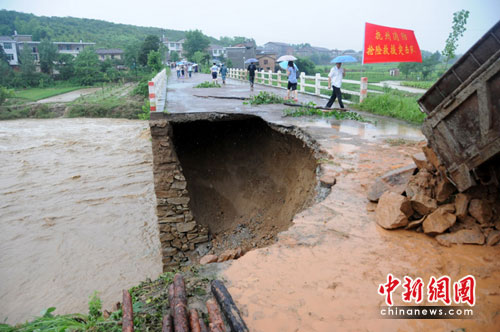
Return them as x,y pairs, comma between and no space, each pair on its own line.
13,46
174,45
9,46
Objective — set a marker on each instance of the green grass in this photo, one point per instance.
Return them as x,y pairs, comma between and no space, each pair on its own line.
208,85
418,84
395,104
108,102
34,94
265,97
309,110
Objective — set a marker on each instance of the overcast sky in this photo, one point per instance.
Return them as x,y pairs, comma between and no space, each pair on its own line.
327,23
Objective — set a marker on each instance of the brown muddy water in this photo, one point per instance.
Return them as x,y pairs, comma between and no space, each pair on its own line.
76,213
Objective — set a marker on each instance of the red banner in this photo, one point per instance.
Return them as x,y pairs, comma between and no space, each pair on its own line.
386,44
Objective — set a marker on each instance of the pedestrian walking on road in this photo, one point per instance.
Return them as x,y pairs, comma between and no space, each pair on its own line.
178,70
223,73
190,70
183,71
214,69
252,68
292,81
335,81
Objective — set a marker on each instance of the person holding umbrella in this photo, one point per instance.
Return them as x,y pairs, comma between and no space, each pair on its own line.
252,68
223,73
335,78
292,81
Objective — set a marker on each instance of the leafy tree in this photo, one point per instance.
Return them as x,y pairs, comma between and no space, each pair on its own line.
3,55
27,66
201,58
306,65
65,65
429,64
6,74
154,61
407,67
151,43
48,55
196,41
87,67
229,63
174,56
228,41
131,54
457,31
4,94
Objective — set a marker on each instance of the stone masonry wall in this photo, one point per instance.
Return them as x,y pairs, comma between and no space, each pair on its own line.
179,232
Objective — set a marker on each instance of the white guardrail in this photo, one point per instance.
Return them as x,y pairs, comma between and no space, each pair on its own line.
279,80
158,91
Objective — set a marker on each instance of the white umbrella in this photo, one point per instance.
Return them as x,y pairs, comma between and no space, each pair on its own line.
286,58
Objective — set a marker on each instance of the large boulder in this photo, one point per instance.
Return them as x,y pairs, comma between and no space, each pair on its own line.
461,205
395,181
464,236
421,161
393,210
493,238
481,210
423,204
420,184
438,221
443,190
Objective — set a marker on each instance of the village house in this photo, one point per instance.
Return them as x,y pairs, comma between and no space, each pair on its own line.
267,61
111,53
278,48
174,45
240,52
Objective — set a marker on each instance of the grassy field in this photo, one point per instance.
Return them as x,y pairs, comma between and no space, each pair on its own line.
395,104
34,94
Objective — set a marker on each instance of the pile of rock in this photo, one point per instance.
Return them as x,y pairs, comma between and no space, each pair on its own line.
420,197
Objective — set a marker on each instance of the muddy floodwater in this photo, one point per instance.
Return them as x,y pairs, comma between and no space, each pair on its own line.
76,213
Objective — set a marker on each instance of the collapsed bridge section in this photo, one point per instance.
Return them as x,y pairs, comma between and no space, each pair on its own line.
227,181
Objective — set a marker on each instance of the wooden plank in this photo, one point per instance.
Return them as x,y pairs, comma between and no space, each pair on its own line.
128,314
228,307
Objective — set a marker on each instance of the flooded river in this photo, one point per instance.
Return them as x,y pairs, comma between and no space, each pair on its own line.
76,213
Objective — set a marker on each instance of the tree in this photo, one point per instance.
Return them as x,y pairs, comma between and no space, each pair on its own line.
201,58
407,67
457,31
306,65
154,61
151,43
131,54
429,64
65,66
196,41
87,67
48,55
27,66
174,56
3,55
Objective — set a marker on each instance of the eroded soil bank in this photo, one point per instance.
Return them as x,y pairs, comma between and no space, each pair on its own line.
246,180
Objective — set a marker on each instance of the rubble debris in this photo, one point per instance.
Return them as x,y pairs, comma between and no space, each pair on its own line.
394,181
128,314
463,236
207,259
393,210
469,217
438,221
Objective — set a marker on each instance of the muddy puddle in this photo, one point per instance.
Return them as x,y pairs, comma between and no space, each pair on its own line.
77,213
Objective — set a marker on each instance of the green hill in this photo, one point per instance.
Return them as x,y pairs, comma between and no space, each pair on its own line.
70,29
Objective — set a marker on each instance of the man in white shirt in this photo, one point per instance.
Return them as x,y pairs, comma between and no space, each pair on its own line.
335,81
214,69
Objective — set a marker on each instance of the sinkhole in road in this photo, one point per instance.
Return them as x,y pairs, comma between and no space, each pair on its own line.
246,179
